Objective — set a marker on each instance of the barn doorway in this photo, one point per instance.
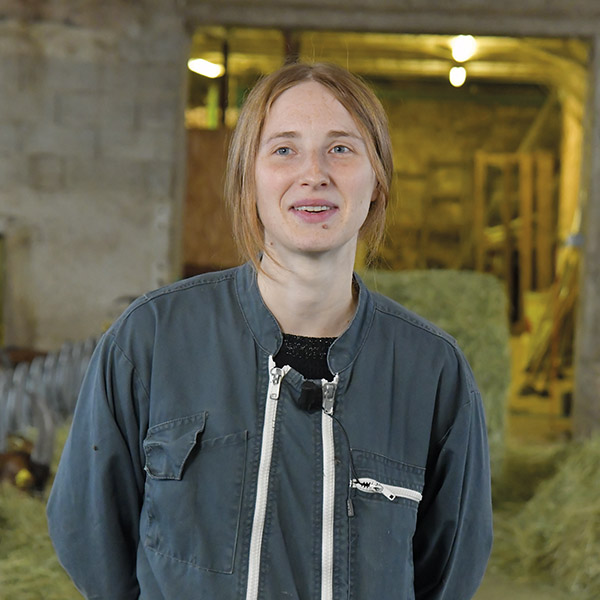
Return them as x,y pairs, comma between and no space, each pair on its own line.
487,172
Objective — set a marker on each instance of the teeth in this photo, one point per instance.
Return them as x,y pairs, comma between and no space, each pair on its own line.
312,208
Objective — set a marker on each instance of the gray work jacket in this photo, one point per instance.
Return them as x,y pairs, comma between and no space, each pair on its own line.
190,471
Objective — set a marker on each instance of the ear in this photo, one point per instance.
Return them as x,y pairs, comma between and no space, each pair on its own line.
375,193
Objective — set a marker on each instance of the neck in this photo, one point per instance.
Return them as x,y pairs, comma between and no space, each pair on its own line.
312,296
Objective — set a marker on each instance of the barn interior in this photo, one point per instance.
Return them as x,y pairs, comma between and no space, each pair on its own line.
486,179
491,173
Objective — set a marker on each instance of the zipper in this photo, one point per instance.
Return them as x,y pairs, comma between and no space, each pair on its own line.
391,492
276,376
328,388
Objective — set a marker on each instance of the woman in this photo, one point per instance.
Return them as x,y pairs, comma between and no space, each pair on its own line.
276,430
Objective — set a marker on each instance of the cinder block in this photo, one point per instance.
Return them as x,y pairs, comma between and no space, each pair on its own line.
123,77
119,110
49,138
159,178
68,75
78,109
105,173
141,145
47,172
158,76
24,105
9,74
159,113
11,135
12,171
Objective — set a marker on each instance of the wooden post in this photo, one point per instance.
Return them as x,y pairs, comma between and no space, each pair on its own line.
546,230
587,358
479,211
506,210
526,212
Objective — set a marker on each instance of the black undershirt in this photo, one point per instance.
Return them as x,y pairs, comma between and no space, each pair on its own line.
307,355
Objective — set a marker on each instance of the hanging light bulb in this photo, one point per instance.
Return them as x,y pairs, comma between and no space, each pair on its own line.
458,75
463,47
206,68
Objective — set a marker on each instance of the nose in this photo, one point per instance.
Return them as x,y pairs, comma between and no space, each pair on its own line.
314,172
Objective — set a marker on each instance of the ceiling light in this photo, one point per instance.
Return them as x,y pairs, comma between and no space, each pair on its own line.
206,68
463,47
458,75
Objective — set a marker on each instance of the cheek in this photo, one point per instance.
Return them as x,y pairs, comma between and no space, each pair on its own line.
367,183
269,183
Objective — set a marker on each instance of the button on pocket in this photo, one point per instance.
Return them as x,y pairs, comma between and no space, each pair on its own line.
385,502
193,493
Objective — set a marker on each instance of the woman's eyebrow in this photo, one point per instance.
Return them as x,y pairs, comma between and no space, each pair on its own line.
334,133
341,133
281,135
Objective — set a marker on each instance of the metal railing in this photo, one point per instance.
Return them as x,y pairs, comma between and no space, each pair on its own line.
37,396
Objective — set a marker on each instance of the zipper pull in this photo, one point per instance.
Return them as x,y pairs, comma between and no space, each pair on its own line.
371,486
350,507
379,488
329,388
391,492
276,375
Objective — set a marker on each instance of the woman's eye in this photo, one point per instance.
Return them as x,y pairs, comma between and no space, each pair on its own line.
339,149
284,151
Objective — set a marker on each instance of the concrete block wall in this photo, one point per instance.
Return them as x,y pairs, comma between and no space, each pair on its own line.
92,161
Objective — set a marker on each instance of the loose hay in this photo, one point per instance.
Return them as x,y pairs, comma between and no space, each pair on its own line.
555,535
29,569
524,468
472,308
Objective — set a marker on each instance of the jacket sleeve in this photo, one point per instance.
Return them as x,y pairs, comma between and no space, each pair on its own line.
94,506
453,539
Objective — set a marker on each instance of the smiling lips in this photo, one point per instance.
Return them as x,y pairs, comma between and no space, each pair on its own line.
314,212
313,209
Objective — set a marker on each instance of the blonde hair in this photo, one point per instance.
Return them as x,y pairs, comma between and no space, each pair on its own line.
362,104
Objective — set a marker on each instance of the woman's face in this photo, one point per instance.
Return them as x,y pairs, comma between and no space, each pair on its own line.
314,180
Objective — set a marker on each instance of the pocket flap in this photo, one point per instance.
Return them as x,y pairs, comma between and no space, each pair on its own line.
168,445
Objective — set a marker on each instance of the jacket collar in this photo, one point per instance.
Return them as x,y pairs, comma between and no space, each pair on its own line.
267,333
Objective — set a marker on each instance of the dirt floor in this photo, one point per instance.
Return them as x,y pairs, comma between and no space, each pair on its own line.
496,586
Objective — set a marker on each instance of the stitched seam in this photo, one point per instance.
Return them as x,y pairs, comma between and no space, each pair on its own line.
241,307
133,367
420,325
177,287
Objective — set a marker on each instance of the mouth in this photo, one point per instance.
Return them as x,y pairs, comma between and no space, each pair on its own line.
313,209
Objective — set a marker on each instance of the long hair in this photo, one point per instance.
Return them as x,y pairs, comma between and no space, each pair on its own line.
366,110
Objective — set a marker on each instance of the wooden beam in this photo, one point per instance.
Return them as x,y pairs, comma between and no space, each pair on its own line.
526,213
587,356
506,213
540,123
545,237
578,18
479,210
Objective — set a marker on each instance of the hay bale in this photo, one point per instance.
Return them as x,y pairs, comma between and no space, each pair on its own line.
472,308
555,536
524,468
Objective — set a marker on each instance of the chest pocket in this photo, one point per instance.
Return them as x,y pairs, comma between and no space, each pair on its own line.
385,501
193,493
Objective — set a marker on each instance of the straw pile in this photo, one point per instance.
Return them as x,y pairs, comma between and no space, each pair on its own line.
472,308
555,535
29,569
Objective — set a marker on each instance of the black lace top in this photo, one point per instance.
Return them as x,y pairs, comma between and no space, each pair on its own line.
307,355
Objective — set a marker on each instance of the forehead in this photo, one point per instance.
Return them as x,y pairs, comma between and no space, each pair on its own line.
308,104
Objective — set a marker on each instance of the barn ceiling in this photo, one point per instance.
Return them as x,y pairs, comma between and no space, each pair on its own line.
560,64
